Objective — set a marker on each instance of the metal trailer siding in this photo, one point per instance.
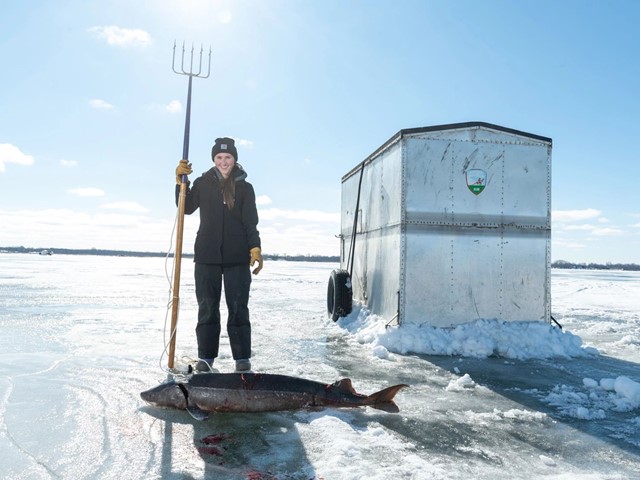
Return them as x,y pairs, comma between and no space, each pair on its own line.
376,274
432,252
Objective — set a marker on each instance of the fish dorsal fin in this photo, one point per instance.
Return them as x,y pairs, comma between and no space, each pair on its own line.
345,385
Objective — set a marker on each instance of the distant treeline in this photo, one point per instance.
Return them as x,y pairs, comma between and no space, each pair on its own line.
126,253
596,266
292,258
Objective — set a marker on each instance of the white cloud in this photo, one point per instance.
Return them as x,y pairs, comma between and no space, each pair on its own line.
174,106
127,206
122,37
225,17
599,231
134,230
86,192
263,200
195,15
68,163
575,215
65,228
586,227
100,104
567,244
607,232
12,154
300,239
305,215
241,142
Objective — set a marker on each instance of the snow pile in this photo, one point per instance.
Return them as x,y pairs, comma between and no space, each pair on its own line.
514,414
619,395
548,461
631,340
525,415
479,339
461,384
628,390
339,449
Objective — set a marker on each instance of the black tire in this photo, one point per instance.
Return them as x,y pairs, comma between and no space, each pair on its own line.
339,295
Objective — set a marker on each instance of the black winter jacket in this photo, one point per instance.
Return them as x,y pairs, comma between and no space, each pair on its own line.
225,236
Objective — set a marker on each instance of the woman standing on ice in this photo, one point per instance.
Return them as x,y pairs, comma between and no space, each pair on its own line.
227,243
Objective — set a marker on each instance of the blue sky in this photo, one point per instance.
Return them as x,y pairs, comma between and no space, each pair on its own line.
93,116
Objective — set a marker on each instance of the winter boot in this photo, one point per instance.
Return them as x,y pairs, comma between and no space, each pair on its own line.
243,365
205,365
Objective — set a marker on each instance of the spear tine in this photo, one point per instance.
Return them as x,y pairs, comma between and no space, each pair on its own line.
199,63
182,63
209,69
173,60
191,63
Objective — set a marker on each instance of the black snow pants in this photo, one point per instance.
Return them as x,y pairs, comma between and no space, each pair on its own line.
237,282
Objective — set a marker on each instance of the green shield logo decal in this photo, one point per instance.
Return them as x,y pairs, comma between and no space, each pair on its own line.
476,180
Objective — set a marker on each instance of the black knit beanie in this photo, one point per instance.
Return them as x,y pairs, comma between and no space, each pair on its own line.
224,145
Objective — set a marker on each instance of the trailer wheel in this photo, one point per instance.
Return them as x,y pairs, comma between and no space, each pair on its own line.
339,295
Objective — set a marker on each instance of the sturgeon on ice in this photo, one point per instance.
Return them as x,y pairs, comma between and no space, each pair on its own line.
260,392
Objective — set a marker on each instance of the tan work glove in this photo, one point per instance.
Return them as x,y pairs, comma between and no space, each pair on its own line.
256,256
183,168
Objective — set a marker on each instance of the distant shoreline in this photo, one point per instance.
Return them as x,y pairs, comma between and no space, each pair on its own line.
561,264
128,253
633,267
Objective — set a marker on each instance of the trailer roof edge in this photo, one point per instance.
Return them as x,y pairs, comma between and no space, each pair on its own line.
449,126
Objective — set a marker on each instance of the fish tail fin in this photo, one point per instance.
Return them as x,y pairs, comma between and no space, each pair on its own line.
383,400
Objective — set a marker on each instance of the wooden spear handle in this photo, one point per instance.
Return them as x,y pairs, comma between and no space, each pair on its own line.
176,275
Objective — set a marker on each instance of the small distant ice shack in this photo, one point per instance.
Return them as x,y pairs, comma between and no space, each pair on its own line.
448,224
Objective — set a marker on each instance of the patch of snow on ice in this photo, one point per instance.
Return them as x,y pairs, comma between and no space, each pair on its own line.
479,339
460,384
548,461
629,390
608,384
628,340
514,414
574,404
619,395
525,415
380,352
338,449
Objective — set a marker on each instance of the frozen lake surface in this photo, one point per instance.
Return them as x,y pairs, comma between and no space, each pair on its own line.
82,336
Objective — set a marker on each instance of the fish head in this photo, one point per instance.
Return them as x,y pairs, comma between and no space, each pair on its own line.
170,394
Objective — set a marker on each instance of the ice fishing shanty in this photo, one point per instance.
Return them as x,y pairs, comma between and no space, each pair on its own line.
448,224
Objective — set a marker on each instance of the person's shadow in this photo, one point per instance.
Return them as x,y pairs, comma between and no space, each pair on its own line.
252,446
